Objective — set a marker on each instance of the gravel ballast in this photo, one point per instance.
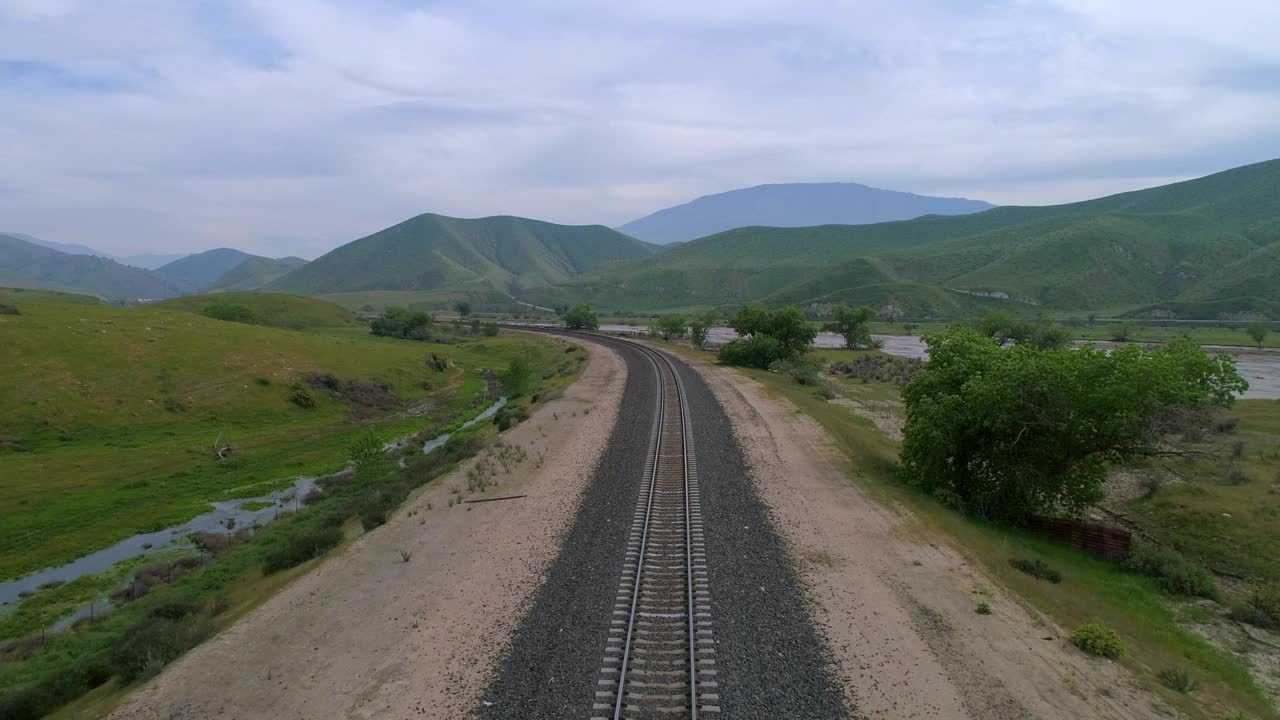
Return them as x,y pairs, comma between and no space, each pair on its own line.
771,661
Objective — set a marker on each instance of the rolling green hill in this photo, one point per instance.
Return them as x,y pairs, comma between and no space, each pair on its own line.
256,273
275,309
433,252
27,265
1210,239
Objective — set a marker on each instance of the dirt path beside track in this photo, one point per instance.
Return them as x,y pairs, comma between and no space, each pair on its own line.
367,635
899,612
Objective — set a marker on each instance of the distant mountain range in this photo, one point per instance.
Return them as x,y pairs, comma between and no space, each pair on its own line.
434,252
147,262
791,205
1206,248
28,265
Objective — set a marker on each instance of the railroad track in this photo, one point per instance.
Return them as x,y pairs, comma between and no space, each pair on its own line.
659,659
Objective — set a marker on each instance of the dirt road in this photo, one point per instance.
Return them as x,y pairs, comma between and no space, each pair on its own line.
367,635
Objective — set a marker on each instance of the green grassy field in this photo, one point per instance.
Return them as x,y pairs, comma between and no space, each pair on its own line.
94,664
1151,623
112,414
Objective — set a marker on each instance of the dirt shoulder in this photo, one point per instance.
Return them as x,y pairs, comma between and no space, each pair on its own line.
367,635
899,611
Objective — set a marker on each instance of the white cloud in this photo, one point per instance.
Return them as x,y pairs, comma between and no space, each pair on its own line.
289,126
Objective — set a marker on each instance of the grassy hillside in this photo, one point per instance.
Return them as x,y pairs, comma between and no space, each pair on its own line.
433,252
198,272
27,265
111,414
255,273
275,309
1209,239
23,297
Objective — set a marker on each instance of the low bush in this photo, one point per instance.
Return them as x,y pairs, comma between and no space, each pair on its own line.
1237,476
7,309
875,367
175,608
1037,569
262,381
758,351
800,370
230,312
1173,572
1226,424
301,397
1177,679
1262,608
509,416
55,689
151,643
300,547
1098,639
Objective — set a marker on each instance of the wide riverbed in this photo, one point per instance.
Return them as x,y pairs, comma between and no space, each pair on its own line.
1260,367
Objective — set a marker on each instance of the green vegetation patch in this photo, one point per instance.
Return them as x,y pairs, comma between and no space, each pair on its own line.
275,309
116,417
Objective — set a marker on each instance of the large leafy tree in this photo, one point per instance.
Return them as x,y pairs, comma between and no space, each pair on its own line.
768,335
581,317
791,329
671,326
853,324
1007,432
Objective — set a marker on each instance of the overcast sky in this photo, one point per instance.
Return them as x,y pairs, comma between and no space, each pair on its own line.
289,127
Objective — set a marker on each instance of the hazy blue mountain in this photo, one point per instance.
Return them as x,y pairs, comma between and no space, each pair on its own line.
196,273
791,205
70,248
28,265
146,261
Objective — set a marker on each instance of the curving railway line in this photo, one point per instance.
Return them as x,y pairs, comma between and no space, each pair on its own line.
659,659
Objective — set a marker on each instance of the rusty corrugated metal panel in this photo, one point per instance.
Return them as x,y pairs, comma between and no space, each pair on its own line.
1105,541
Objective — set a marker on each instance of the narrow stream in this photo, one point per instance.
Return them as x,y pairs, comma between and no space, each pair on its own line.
215,520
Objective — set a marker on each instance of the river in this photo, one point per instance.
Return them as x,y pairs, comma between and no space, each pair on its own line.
1260,367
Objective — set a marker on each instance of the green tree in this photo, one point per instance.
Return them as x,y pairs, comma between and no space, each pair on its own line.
402,323
671,326
700,326
1003,326
463,308
853,324
518,376
791,329
580,317
751,320
1007,432
1258,331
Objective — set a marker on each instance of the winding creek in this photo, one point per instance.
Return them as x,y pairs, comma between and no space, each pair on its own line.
247,512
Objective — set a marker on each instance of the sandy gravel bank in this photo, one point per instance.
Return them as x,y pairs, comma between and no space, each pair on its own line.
366,635
898,611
